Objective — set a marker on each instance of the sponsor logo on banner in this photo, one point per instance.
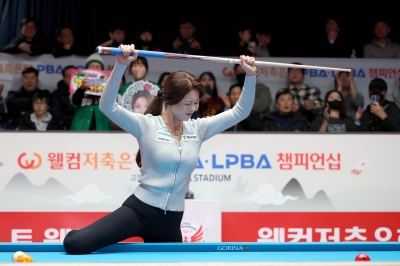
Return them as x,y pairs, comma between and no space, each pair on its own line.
192,232
232,248
243,161
29,164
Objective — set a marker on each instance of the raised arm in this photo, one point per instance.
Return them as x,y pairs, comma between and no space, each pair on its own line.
129,121
211,126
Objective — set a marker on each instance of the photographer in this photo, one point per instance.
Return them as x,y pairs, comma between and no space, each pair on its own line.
186,44
381,115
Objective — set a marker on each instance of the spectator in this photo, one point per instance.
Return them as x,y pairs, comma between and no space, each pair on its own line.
335,119
3,109
333,43
262,101
230,100
139,69
144,41
60,98
307,99
211,104
263,40
30,41
283,119
66,45
395,93
87,113
186,43
381,115
344,83
163,77
117,36
20,101
40,119
245,46
381,46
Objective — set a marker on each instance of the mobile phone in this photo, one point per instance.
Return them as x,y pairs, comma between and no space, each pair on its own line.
376,98
207,89
252,44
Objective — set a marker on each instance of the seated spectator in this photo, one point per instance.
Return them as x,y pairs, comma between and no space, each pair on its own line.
117,36
144,41
163,77
40,119
344,83
381,46
333,43
263,41
262,101
335,119
244,46
307,99
211,104
395,93
87,113
60,98
20,101
381,115
30,41
283,119
139,69
186,43
66,45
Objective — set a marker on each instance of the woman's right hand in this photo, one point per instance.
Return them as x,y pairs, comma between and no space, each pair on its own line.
126,59
326,113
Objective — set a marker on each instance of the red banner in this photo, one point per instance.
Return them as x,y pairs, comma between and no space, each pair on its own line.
236,226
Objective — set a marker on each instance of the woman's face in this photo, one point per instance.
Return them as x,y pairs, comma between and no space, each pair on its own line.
146,36
94,66
138,70
234,95
185,108
334,96
140,105
206,80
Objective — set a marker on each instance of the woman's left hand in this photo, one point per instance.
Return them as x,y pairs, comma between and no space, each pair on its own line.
247,63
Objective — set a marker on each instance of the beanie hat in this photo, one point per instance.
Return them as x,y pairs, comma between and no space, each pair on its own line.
94,58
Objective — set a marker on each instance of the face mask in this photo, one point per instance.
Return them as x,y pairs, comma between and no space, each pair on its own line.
145,43
139,72
336,105
241,77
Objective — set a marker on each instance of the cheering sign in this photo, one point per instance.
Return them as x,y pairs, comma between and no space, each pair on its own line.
96,79
138,96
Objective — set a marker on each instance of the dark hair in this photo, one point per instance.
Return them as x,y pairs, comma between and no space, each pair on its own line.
378,84
116,26
283,92
123,80
215,91
142,60
176,86
30,70
66,68
381,20
25,21
142,30
244,28
42,95
264,31
342,111
297,63
234,86
146,94
162,77
59,29
186,21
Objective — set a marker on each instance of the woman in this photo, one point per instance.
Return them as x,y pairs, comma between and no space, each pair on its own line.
144,39
169,150
210,104
335,119
163,77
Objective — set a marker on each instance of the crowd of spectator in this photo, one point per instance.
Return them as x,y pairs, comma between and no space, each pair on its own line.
295,108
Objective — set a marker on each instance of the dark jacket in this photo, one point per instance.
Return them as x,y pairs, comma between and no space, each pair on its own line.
349,123
370,122
38,45
61,103
17,102
269,123
341,48
56,122
59,51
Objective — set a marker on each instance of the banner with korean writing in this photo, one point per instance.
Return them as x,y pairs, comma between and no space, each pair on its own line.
275,78
247,172
95,79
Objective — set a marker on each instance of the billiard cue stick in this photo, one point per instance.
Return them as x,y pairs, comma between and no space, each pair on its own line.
143,53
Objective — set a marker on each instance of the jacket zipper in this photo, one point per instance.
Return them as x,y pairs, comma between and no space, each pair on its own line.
173,183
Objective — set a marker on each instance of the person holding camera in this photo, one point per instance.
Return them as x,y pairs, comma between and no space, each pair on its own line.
186,44
211,104
381,115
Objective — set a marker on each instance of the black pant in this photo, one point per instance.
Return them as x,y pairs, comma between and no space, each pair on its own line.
133,218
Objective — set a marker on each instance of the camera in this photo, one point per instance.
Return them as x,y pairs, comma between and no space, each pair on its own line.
207,89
